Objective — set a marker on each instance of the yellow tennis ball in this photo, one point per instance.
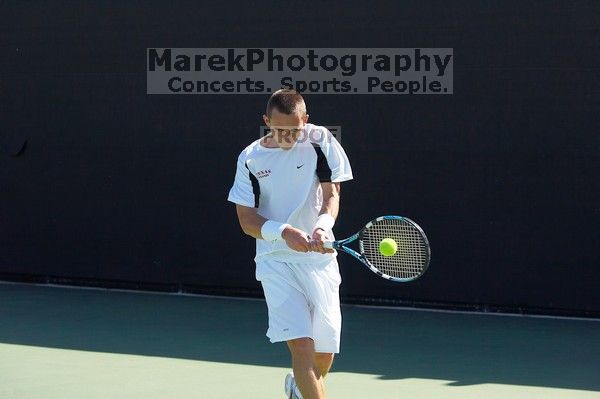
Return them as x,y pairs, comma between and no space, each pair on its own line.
388,247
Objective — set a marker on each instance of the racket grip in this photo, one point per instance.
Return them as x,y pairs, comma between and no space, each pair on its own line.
328,244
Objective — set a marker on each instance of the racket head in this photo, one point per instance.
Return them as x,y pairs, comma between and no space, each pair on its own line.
412,257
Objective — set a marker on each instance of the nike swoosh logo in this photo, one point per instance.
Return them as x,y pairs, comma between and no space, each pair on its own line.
298,167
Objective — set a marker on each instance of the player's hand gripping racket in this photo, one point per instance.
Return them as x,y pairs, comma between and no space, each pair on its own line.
393,247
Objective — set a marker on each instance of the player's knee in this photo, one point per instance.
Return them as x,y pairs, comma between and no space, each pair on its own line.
323,358
301,346
323,362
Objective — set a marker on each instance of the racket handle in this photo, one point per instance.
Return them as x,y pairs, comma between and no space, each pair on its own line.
328,244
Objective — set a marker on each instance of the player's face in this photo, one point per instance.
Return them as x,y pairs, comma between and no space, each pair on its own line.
285,128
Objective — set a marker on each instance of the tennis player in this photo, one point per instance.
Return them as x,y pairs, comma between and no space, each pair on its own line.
287,195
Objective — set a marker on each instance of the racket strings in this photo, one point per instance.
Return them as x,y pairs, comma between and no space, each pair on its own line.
411,258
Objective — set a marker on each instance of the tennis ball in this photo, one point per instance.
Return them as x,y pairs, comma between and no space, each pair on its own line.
388,247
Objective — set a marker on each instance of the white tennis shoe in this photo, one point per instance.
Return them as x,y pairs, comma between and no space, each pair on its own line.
290,387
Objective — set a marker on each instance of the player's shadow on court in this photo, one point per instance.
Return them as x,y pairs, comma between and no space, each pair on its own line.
463,349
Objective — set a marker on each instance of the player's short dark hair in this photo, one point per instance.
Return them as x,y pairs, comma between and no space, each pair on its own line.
286,101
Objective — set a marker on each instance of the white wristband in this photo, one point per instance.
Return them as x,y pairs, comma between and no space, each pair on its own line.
325,222
272,230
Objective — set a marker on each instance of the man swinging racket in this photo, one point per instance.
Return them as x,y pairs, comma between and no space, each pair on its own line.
287,195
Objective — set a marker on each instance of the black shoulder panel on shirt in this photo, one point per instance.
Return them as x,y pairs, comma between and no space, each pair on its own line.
323,169
255,186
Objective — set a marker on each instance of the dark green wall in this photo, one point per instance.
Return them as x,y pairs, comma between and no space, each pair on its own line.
115,185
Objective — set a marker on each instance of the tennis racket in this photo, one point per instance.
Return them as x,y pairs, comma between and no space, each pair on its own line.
412,255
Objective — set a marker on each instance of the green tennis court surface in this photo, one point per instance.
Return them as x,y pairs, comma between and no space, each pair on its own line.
63,343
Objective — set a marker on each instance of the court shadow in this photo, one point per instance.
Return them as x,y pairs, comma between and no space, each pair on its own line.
465,349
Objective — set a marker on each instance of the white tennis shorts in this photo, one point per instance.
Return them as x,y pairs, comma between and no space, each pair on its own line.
303,300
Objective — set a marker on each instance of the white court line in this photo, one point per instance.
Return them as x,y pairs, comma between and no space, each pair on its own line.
477,313
236,298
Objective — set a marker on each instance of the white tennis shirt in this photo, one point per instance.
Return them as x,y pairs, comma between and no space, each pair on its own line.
284,186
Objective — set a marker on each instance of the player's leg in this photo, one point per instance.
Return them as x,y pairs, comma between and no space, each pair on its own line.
289,315
307,374
323,362
323,290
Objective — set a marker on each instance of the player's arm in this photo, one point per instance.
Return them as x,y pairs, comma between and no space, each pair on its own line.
258,227
327,216
331,199
250,220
